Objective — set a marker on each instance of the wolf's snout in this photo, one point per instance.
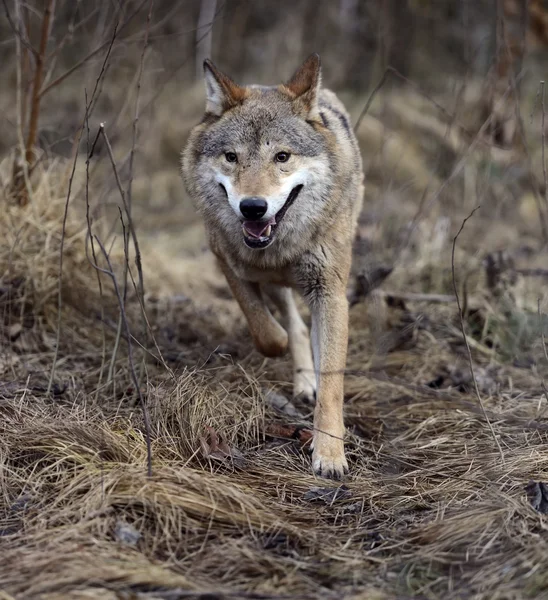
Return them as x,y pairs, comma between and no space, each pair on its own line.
253,209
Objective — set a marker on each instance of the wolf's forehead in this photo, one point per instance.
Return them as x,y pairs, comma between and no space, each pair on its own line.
252,128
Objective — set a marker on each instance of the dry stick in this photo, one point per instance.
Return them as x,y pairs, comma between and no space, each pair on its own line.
541,325
19,99
391,70
110,273
543,132
17,30
461,319
514,84
141,288
131,232
89,56
89,235
61,249
37,84
426,206
542,331
162,86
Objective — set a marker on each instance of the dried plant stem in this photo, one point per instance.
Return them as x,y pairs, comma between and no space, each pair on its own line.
89,153
65,214
392,71
141,285
110,273
543,133
130,232
463,330
37,83
88,57
22,166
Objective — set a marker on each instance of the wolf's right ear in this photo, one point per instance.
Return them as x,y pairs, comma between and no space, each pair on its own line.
222,93
304,87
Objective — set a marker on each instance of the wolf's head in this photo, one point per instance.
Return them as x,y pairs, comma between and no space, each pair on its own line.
258,165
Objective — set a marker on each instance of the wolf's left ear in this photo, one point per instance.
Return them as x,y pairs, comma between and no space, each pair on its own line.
304,87
222,93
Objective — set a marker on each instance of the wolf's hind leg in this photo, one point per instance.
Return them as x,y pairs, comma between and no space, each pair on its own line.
304,377
269,336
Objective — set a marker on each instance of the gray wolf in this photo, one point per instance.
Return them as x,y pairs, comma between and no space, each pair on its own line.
276,173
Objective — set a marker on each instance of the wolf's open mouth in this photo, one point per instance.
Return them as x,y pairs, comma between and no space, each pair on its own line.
259,234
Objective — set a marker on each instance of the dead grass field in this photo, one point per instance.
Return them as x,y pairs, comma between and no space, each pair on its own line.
435,505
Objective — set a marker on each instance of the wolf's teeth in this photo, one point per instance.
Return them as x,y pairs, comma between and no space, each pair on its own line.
268,231
244,229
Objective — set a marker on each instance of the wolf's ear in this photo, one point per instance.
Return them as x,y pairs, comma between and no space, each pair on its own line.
304,86
222,93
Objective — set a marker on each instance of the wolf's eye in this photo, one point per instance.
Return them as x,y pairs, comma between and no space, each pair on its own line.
231,157
282,157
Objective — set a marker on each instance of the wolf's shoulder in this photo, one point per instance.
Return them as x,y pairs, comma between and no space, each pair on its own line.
328,99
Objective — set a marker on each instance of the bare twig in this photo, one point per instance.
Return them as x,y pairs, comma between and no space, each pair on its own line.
133,373
37,84
89,236
141,286
468,351
543,133
131,229
89,56
22,168
61,249
203,44
17,28
392,71
542,336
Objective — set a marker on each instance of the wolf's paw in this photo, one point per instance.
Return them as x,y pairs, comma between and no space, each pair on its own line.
328,459
304,387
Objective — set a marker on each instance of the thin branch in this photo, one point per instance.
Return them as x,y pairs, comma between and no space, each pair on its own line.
132,154
543,133
131,228
19,169
37,84
468,351
88,57
61,250
110,273
392,71
542,337
89,236
17,30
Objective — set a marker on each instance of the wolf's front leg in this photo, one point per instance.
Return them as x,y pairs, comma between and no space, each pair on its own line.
304,377
329,343
269,336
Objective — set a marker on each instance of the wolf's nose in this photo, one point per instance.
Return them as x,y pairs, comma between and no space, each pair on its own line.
253,208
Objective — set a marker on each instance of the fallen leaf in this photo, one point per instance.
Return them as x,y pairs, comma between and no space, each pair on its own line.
300,433
215,447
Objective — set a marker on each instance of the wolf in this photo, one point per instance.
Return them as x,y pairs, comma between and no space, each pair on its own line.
276,173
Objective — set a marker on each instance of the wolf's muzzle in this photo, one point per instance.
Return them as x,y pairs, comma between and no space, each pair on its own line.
260,233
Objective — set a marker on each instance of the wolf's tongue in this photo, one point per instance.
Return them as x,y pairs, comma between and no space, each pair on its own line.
256,229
